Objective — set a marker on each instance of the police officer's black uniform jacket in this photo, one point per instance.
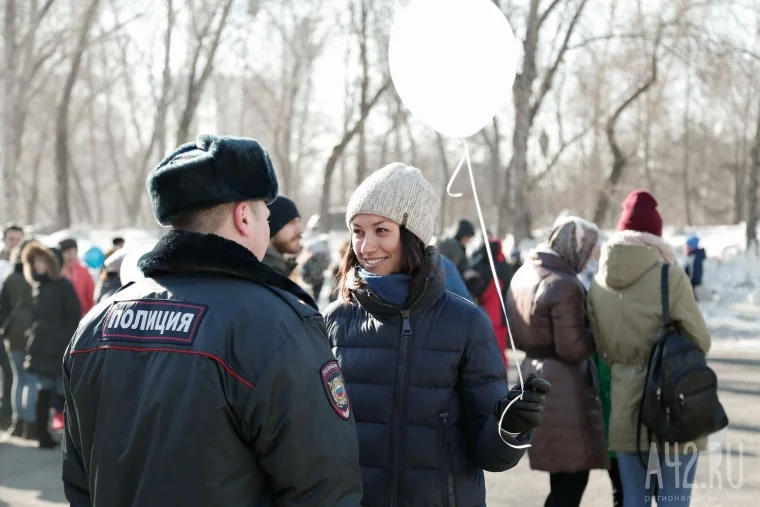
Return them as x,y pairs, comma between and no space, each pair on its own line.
209,383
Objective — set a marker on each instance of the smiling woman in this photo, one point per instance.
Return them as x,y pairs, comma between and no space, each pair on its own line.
421,366
381,248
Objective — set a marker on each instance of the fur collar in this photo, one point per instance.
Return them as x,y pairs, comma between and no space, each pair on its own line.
636,238
190,252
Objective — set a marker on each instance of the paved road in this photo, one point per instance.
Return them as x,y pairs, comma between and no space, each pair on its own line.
30,477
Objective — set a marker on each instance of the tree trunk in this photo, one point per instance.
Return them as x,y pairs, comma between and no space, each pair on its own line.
62,118
337,152
446,174
619,159
163,105
8,196
686,144
95,167
527,107
158,135
648,154
33,198
752,197
521,229
195,87
361,166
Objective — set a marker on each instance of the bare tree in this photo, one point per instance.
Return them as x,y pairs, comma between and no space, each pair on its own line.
337,153
196,84
24,59
134,198
445,175
752,195
527,103
62,117
619,158
285,97
363,23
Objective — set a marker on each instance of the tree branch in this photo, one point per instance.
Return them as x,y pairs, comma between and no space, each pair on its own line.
546,13
555,159
549,76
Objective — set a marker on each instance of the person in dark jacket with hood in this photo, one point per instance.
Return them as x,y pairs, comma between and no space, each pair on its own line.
56,315
423,371
482,285
546,306
455,249
695,260
16,316
209,382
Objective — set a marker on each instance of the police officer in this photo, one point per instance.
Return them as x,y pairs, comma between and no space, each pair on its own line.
209,382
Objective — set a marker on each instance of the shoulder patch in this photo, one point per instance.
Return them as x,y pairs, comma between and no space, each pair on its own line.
153,321
335,388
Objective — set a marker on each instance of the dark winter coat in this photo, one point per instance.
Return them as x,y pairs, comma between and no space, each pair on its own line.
56,315
546,309
106,288
455,251
424,382
695,266
483,287
233,399
278,262
16,309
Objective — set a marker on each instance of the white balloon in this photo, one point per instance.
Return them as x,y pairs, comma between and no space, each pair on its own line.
453,62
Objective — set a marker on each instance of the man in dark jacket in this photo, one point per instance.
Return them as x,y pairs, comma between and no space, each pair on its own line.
285,232
209,382
455,249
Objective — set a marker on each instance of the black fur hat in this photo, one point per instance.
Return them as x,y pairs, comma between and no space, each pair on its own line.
214,170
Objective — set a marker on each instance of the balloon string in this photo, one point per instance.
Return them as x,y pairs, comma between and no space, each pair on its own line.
466,158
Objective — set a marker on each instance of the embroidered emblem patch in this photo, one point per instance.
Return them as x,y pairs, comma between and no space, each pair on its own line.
335,388
153,321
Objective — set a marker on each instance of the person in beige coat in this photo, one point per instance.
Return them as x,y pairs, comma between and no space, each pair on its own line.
625,309
546,306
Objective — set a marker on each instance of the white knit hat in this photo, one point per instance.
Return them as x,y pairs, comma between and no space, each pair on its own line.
401,194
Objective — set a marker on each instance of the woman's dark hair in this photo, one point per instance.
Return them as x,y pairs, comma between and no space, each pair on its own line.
414,263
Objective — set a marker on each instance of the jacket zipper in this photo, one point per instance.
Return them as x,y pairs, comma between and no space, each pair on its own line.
448,463
406,333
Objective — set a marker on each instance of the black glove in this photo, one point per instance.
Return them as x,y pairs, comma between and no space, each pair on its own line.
526,414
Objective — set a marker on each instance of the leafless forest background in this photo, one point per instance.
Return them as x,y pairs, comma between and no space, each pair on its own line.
610,95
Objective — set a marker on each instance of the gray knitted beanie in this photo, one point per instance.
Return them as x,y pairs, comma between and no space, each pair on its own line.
401,194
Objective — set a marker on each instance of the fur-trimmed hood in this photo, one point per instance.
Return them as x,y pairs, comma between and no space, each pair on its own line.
629,254
35,250
190,252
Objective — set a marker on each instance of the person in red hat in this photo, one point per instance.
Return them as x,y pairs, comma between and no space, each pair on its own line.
640,214
625,312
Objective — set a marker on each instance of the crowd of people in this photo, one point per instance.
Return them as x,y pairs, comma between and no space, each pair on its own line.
44,292
395,394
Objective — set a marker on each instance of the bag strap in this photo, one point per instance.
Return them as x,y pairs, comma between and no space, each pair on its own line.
665,295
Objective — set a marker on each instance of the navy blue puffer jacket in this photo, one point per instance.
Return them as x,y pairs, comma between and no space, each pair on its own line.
423,382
